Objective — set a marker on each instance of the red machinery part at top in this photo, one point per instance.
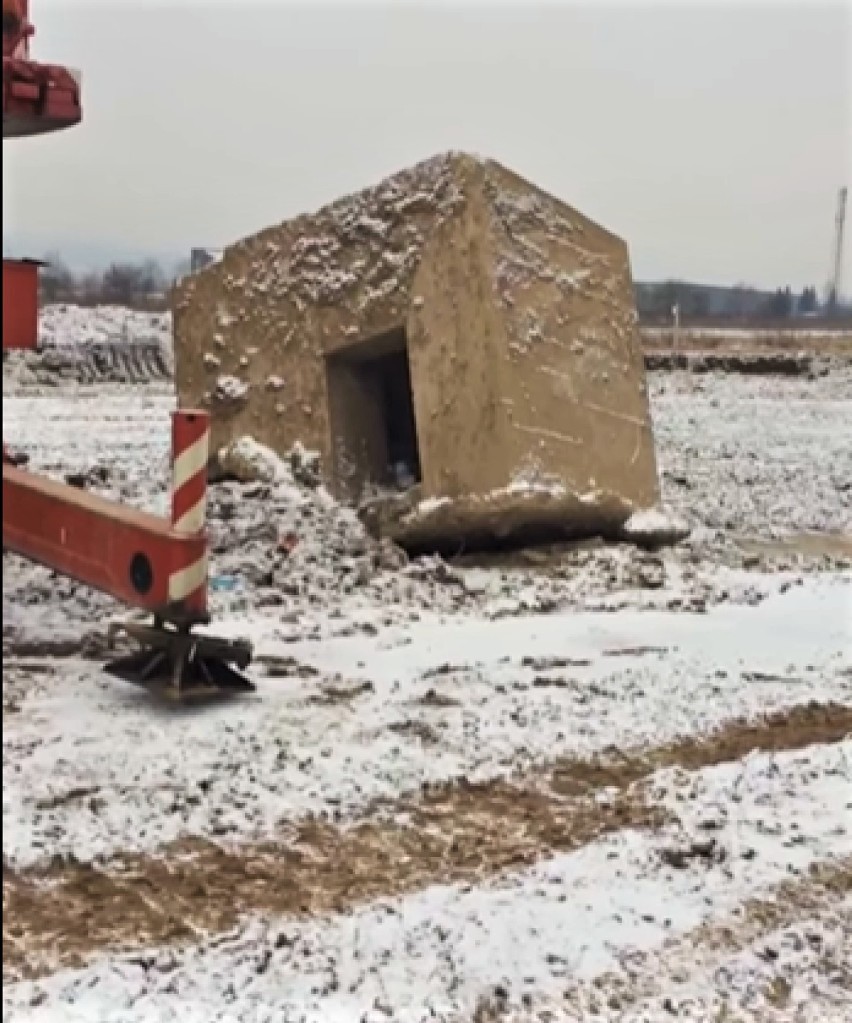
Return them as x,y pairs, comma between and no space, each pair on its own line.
37,98
16,28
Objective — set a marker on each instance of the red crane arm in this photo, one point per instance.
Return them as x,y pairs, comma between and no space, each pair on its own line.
133,556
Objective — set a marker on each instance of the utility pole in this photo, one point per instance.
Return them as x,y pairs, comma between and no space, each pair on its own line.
676,328
834,287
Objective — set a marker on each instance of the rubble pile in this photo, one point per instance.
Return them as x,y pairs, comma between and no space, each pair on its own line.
282,540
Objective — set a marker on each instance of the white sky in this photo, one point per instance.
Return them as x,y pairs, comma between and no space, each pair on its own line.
712,136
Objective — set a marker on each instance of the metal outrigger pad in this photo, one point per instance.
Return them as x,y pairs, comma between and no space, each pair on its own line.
180,664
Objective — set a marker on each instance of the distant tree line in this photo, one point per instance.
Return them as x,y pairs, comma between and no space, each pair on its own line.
146,285
142,285
698,302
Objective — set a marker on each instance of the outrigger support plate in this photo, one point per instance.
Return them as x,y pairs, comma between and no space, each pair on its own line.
180,664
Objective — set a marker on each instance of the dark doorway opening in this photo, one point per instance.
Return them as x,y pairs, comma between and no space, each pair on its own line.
374,430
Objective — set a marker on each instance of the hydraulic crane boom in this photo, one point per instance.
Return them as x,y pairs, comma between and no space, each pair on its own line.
154,564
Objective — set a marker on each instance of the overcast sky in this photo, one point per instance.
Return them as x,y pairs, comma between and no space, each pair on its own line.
712,136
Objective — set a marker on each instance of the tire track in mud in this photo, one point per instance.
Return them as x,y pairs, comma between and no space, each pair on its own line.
457,832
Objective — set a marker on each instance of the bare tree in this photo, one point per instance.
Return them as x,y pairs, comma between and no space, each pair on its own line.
152,279
56,282
122,284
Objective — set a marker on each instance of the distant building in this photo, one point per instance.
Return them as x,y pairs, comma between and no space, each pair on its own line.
20,303
200,258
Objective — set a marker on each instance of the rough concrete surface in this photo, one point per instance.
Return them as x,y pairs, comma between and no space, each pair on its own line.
516,315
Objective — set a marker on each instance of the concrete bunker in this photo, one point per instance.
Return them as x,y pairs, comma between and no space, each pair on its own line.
459,347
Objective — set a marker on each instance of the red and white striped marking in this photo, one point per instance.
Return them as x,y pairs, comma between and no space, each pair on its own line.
190,450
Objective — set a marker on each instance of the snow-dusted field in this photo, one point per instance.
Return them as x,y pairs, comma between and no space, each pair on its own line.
585,783
374,717
766,456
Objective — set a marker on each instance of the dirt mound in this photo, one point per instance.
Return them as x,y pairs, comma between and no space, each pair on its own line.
78,346
751,363
279,538
115,363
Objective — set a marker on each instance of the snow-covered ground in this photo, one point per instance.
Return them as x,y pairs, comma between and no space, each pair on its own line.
764,456
532,936
347,721
618,692
798,334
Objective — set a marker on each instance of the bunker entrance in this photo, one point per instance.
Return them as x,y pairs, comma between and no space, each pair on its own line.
371,405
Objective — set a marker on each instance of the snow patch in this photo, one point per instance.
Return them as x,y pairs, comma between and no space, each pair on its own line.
230,388
655,525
